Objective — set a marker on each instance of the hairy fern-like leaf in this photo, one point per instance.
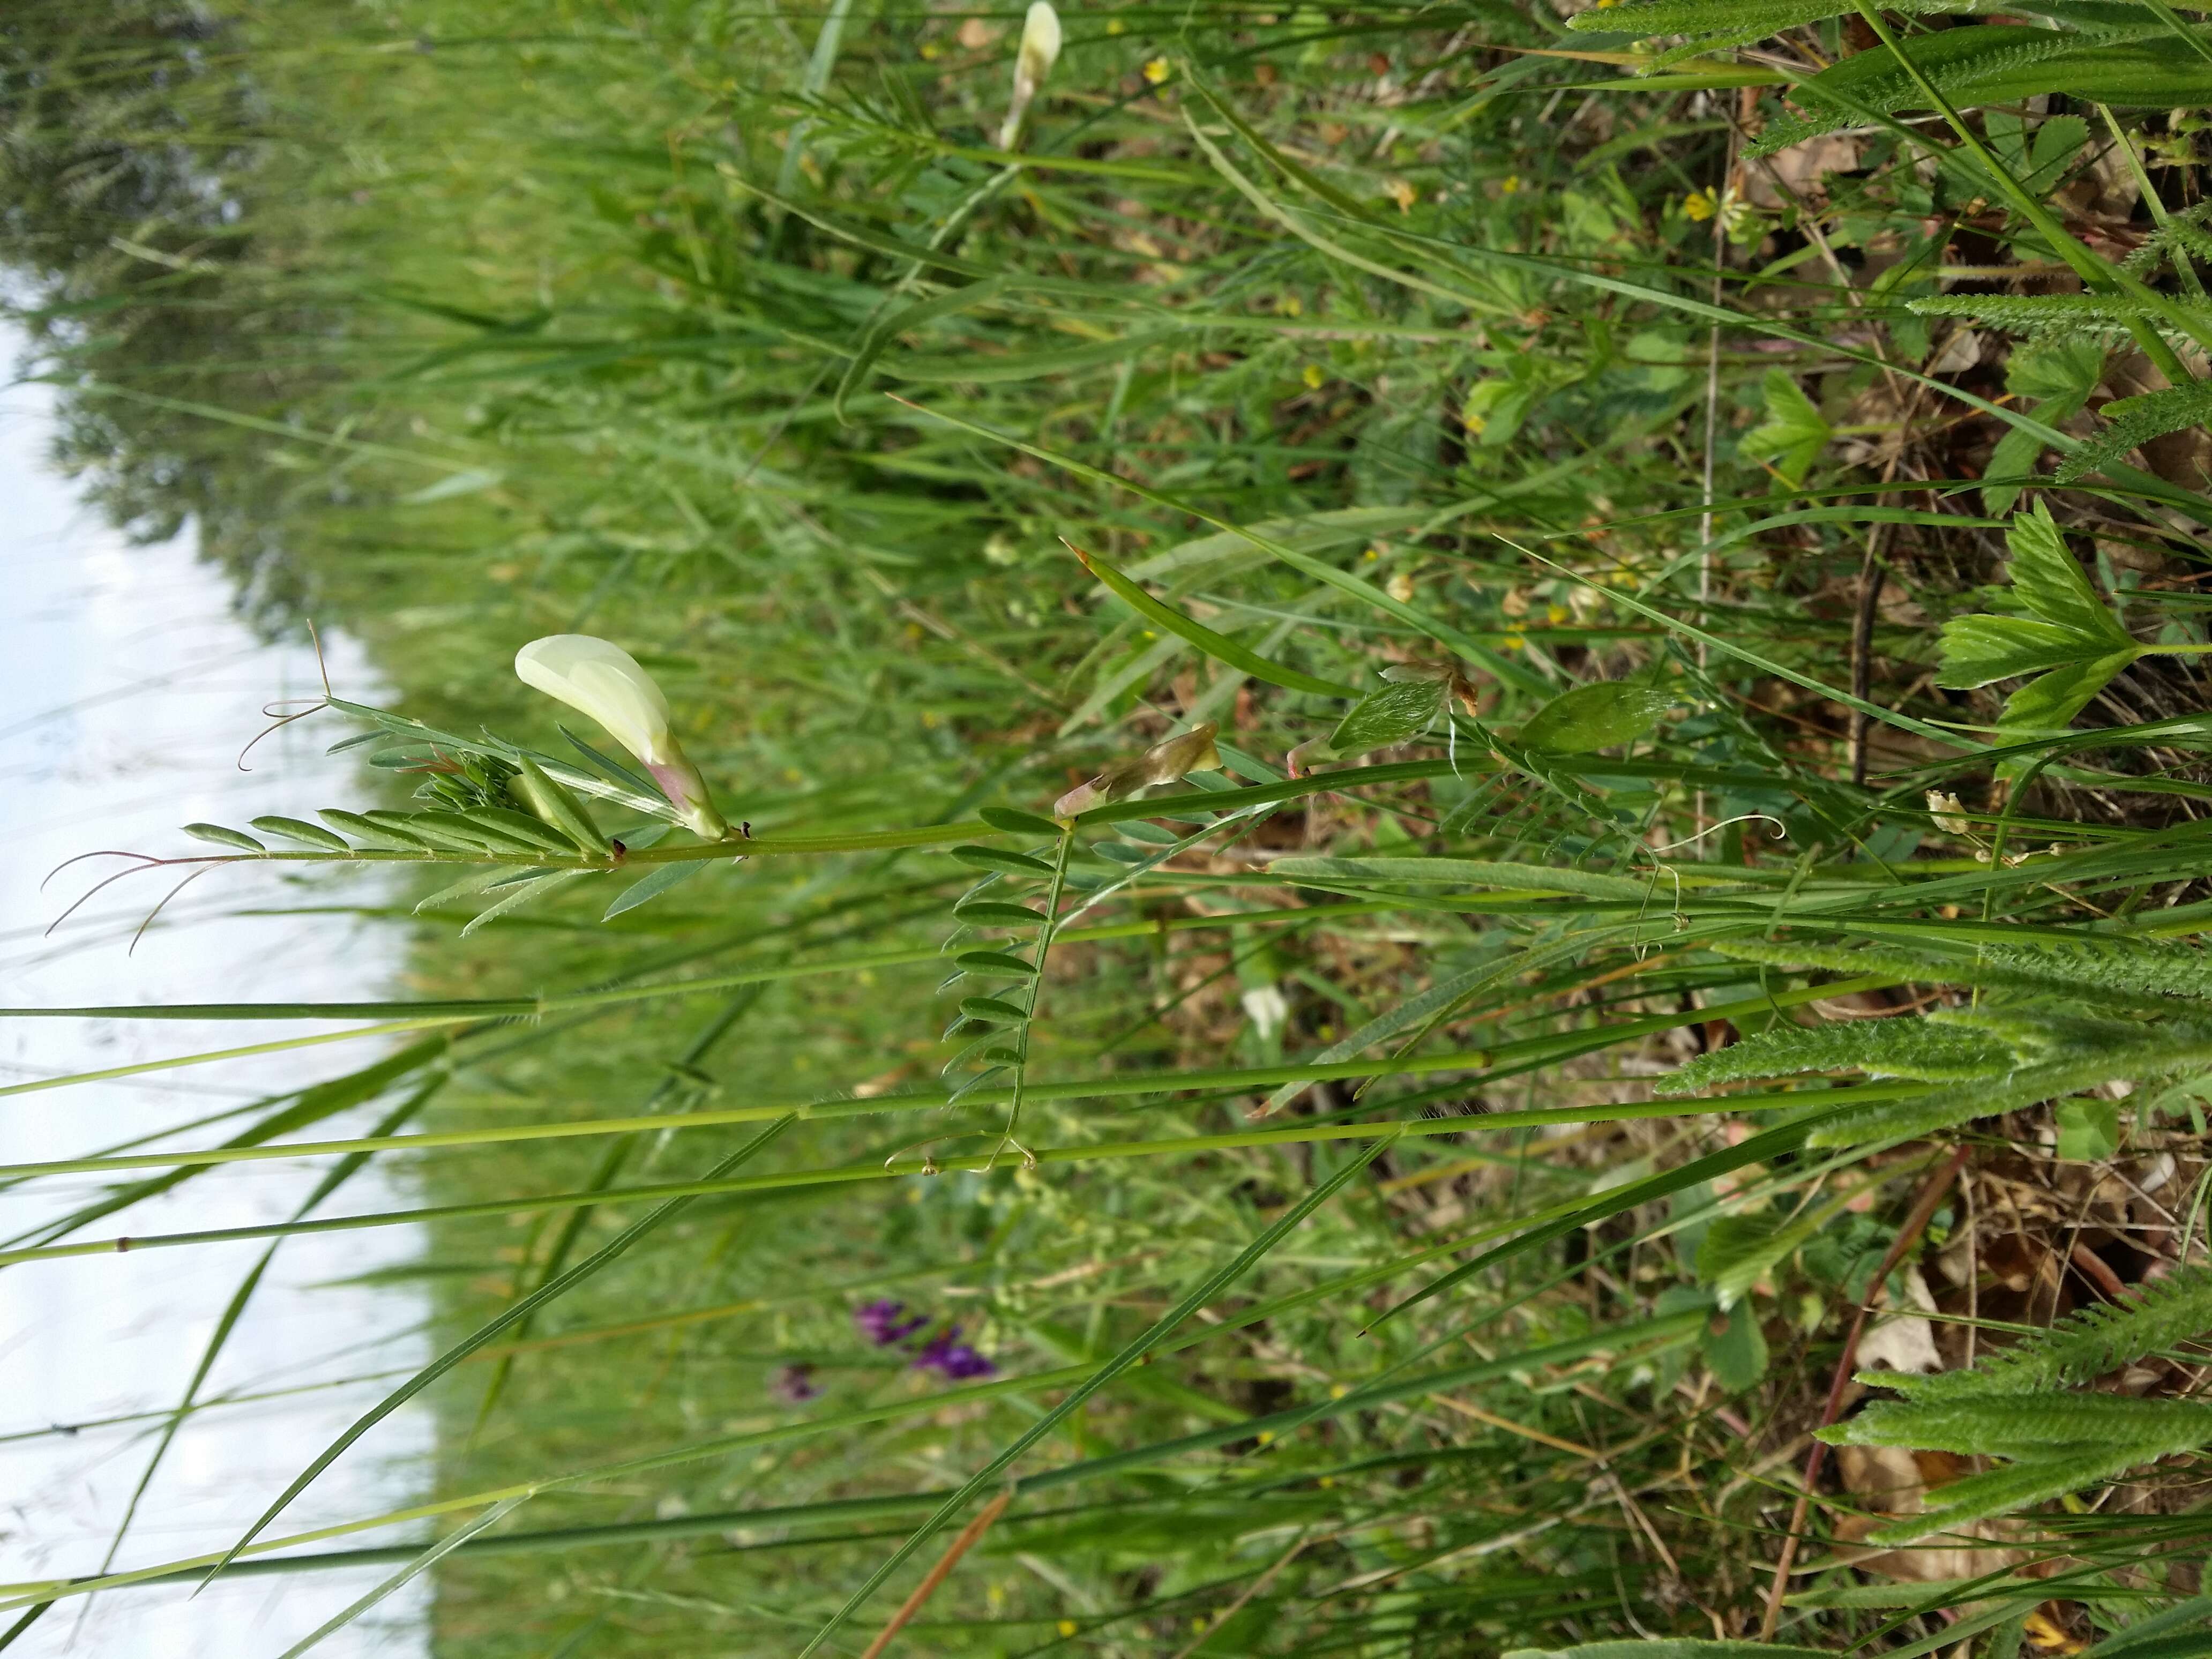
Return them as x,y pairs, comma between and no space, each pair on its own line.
1880,1048
2098,1339
2183,232
2048,316
2117,973
2164,1048
2136,420
2059,1443
2150,970
1986,63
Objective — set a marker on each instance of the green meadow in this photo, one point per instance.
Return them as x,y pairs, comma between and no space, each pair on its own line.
1672,533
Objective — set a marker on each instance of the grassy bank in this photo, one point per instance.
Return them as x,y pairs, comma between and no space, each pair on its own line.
1703,843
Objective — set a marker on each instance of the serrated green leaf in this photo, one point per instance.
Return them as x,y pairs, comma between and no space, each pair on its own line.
221,836
1592,717
1794,433
2088,1130
1393,715
2050,701
1978,649
307,834
2045,580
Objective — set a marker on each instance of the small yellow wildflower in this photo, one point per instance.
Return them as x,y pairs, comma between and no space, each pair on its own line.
1511,184
1066,1627
1516,641
1266,1436
1474,424
1700,205
1372,553
1157,71
1290,306
1402,193
1556,614
1115,26
1337,1391
1325,1482
1313,376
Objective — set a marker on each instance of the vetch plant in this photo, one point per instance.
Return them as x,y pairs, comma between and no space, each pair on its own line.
1033,61
598,678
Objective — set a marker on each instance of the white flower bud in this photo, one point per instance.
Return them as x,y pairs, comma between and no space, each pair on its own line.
1040,50
598,678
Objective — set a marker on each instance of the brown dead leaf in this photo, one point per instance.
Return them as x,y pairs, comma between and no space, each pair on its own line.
1800,171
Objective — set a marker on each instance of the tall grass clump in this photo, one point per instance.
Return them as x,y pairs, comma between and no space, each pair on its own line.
1466,757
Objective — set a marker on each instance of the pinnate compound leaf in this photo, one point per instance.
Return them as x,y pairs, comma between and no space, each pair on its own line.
221,836
1592,717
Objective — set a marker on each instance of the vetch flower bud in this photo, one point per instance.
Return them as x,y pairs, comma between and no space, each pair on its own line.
598,678
1164,762
1039,52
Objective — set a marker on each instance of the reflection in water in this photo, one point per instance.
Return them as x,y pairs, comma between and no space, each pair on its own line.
126,690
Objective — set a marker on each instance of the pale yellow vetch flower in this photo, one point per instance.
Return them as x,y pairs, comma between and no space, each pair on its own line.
598,678
1039,52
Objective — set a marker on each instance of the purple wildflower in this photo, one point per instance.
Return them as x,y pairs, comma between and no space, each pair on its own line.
880,1323
793,1385
952,1358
